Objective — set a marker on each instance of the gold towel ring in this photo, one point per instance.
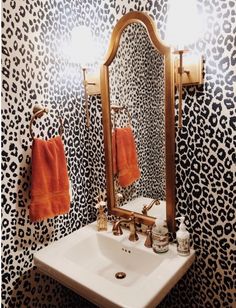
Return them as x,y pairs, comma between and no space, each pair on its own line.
38,112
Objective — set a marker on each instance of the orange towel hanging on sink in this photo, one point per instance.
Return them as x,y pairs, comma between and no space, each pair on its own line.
125,161
49,183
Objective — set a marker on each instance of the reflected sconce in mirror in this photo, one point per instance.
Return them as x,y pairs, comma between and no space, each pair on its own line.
82,51
184,27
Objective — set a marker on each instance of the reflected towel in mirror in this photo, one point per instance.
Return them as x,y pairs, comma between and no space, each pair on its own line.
125,162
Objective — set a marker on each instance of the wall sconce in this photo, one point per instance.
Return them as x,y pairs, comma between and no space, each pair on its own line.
184,27
82,51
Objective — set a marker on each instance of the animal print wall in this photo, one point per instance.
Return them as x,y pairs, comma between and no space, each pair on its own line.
34,70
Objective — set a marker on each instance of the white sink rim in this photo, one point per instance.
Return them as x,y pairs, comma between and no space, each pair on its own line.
99,290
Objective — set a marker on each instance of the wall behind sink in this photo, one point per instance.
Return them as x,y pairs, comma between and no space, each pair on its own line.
34,70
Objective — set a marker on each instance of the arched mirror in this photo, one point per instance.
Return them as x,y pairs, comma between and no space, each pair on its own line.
138,119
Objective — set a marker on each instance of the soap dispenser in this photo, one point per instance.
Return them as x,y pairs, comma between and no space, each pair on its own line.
183,238
160,237
101,218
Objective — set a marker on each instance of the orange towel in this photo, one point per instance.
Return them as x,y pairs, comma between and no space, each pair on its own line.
125,161
50,183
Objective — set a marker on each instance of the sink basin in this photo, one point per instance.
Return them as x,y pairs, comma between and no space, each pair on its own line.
104,257
87,262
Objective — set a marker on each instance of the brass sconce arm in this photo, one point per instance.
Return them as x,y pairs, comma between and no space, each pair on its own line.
181,71
86,83
187,77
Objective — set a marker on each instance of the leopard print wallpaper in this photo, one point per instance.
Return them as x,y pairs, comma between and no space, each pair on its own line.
34,70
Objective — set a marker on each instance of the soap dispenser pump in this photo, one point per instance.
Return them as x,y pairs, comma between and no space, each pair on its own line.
183,238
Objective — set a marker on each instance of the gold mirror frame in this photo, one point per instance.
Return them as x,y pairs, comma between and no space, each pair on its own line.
148,23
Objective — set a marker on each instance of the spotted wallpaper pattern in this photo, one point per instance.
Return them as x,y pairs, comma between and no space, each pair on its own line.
34,70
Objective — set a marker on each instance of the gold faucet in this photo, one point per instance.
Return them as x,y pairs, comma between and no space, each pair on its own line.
146,208
132,226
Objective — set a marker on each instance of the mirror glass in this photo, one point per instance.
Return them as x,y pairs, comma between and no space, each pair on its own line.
138,120
137,102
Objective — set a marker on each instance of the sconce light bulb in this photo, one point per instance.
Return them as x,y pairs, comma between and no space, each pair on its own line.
184,24
81,47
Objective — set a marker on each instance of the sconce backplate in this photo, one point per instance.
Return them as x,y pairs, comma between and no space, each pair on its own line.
193,64
93,84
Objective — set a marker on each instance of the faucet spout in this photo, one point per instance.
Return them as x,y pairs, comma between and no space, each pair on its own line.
132,226
116,229
146,208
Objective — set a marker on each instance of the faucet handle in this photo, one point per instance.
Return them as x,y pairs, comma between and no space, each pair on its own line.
132,226
148,241
144,210
116,229
132,217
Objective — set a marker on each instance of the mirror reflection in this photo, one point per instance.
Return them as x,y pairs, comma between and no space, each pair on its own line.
137,106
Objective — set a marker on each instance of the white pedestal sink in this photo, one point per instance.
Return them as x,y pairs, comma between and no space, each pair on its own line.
87,261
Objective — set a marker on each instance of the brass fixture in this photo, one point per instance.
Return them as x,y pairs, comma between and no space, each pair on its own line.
180,72
117,109
38,112
146,208
183,30
132,226
116,229
120,275
193,68
148,241
82,50
88,90
189,74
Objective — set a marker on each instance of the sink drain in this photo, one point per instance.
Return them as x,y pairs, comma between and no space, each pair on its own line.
120,275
